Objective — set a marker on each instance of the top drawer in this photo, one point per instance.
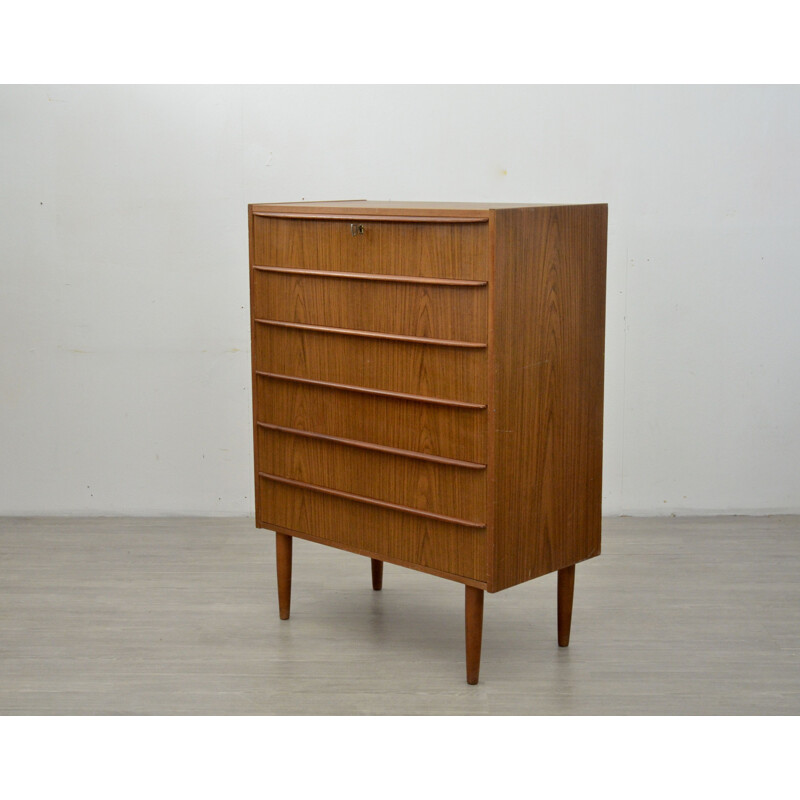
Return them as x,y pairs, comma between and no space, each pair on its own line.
446,250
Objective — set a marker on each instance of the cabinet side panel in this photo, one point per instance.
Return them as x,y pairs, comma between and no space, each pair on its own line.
549,317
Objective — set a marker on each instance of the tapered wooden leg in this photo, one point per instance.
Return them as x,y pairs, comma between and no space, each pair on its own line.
283,550
566,587
473,617
377,574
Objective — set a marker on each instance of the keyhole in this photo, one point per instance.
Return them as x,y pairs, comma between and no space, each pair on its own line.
356,230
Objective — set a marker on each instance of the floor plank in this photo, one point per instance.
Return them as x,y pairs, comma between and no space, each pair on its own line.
180,616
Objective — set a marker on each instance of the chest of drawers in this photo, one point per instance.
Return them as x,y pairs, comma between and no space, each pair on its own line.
428,389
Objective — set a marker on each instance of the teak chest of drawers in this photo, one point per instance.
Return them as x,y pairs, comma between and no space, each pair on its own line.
428,389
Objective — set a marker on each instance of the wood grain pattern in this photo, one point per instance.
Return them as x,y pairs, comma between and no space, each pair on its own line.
392,535
366,276
549,318
410,511
403,248
253,378
416,398
438,372
491,411
395,451
388,208
363,217
422,310
394,337
403,424
350,548
423,485
428,391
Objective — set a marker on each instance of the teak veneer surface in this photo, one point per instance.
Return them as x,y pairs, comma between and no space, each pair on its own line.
388,208
432,250
452,491
549,326
447,373
407,425
423,310
448,548
428,387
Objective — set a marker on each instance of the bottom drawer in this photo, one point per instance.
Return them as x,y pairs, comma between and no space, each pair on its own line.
443,490
396,535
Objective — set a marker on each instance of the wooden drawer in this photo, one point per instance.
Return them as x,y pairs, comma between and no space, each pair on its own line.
438,430
458,250
379,427
412,309
371,530
454,374
432,488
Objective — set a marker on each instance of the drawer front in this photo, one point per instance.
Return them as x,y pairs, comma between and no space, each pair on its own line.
436,488
457,433
423,249
440,372
410,309
369,529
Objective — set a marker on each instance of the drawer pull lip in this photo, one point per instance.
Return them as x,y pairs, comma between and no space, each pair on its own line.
379,392
371,217
394,337
368,276
394,451
359,498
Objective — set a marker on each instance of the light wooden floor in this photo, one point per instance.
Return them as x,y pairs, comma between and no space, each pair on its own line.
180,616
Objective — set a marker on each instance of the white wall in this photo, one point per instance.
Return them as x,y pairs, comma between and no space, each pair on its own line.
124,355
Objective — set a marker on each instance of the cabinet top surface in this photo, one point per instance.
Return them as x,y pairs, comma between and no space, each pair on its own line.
387,207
